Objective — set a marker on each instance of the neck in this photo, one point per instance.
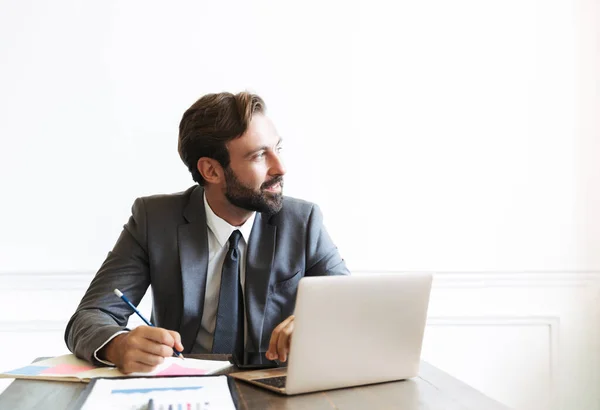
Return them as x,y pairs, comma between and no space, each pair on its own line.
224,209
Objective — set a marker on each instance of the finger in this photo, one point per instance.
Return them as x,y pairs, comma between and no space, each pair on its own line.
142,341
154,348
286,321
162,336
142,330
159,335
272,351
177,338
283,343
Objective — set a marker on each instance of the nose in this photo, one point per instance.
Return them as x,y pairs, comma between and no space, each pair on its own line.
277,167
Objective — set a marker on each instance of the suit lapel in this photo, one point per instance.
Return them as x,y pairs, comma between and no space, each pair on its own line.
259,259
193,257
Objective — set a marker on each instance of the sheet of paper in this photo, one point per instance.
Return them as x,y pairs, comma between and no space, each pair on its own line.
196,393
172,366
61,366
70,366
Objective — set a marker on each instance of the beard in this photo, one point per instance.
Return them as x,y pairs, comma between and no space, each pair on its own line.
245,197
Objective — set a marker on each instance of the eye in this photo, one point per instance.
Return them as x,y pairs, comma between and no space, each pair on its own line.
259,155
279,149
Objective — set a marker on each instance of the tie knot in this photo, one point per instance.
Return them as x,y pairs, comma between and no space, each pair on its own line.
234,239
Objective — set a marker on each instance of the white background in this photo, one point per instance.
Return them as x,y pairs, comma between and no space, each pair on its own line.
457,137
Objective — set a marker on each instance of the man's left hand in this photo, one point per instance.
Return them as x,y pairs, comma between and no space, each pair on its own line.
279,346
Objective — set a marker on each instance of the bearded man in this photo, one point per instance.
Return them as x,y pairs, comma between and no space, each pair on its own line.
223,258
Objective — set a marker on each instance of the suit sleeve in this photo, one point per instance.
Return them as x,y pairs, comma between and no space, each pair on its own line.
322,256
100,313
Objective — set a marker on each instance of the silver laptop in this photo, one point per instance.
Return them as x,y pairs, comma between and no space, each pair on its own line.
352,330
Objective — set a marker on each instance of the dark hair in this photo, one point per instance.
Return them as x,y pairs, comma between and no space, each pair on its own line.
210,123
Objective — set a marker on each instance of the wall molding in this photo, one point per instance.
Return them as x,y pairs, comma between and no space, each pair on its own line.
571,281
551,322
502,279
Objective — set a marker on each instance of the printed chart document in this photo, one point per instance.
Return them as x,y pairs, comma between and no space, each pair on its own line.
196,393
70,368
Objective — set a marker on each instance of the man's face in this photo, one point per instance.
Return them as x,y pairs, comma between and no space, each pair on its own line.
254,178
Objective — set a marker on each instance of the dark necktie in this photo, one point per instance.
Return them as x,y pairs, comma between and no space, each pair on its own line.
229,331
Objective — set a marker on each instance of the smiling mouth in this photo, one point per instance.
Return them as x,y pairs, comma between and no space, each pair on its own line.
274,185
274,188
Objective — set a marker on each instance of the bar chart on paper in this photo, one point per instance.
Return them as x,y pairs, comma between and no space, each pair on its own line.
186,393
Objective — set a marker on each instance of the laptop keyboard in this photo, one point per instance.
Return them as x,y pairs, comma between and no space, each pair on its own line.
278,382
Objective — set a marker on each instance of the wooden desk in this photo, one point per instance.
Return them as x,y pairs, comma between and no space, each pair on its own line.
432,390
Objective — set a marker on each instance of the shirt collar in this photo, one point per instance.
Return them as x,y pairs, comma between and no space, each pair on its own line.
222,229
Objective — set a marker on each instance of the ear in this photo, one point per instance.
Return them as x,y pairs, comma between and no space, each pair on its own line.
211,170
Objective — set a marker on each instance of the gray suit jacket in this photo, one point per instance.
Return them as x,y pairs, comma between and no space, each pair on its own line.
164,244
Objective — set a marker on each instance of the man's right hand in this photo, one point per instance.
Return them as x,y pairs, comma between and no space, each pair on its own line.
141,349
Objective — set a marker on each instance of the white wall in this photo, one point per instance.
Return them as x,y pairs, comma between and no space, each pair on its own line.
454,137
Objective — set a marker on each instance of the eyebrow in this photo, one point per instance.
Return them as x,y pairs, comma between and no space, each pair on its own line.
264,147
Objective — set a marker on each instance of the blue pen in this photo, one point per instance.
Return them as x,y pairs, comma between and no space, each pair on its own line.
122,296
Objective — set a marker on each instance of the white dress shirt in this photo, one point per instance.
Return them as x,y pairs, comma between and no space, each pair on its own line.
218,233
